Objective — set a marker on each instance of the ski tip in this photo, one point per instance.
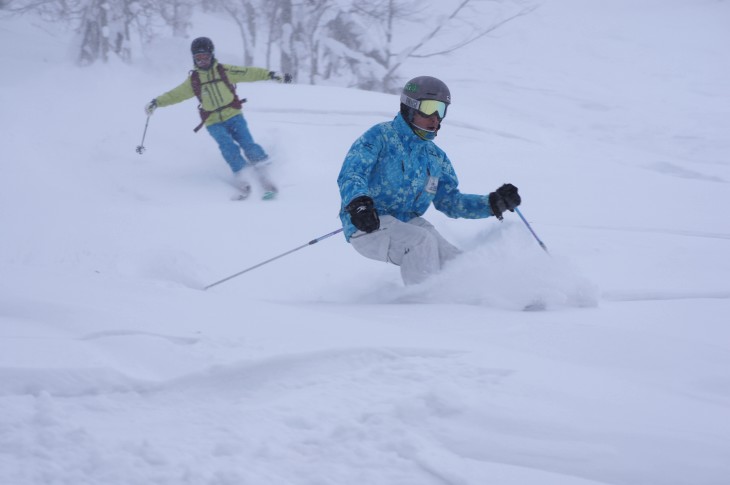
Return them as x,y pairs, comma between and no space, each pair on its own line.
269,195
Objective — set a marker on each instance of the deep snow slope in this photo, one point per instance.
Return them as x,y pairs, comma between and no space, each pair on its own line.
320,367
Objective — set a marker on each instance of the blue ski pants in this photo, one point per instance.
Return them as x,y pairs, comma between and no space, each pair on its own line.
233,136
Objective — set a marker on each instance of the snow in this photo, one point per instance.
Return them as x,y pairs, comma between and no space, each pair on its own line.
320,367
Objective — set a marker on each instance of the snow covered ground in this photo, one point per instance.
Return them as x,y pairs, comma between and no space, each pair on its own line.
321,368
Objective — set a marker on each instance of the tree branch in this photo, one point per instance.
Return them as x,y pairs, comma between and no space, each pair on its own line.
409,52
492,28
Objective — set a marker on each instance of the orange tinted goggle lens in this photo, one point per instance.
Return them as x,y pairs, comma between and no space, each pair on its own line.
431,106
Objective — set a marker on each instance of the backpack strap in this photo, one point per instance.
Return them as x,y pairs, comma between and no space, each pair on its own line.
232,87
195,82
198,87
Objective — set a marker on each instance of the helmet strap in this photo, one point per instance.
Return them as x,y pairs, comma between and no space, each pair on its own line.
407,113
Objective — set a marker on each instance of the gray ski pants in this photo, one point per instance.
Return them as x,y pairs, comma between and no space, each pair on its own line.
416,246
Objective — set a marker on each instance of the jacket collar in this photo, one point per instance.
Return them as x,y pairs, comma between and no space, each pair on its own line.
404,129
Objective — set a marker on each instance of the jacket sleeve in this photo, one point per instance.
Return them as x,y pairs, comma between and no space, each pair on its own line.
359,162
239,74
452,202
176,95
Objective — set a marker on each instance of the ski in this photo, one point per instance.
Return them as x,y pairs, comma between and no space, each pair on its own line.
244,188
242,194
262,174
267,195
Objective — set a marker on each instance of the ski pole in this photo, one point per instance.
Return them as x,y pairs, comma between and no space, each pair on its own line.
542,244
140,147
313,241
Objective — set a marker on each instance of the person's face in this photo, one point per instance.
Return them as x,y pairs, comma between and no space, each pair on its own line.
429,123
203,60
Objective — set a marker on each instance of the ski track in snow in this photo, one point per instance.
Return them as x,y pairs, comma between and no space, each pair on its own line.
277,405
377,116
651,230
126,333
658,295
297,408
674,170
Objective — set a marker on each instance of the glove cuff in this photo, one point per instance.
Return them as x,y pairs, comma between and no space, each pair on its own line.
496,203
358,201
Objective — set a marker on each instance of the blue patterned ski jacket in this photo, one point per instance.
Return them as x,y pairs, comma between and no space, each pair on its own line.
403,174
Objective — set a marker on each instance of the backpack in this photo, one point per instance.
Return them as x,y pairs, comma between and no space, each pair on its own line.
197,89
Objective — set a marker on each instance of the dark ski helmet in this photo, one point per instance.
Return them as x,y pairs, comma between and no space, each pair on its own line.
202,49
202,45
423,88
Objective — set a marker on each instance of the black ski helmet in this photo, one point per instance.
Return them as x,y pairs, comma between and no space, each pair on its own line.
420,88
202,45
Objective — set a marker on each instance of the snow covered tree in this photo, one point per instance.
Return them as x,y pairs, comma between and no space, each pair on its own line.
355,43
370,42
247,16
104,27
363,43
286,35
104,30
176,13
351,53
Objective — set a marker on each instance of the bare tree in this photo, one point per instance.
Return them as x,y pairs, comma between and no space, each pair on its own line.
390,15
104,30
354,42
177,14
246,14
288,60
475,33
104,27
308,35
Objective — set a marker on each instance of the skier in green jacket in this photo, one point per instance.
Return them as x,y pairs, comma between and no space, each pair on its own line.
214,84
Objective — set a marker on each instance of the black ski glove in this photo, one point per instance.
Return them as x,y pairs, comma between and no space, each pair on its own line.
503,199
150,107
363,214
280,77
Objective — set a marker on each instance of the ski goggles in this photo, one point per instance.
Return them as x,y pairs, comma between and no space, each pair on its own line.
427,107
430,106
203,57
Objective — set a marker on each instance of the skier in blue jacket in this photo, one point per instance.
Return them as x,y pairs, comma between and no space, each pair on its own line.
393,173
